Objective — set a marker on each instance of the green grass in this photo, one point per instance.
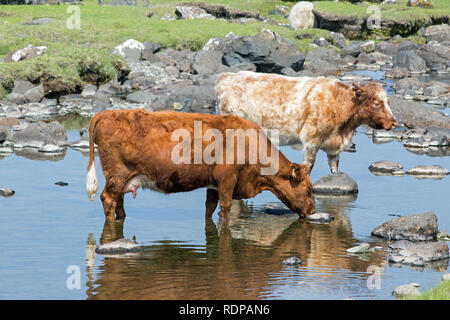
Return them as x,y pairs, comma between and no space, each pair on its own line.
440,292
441,8
104,27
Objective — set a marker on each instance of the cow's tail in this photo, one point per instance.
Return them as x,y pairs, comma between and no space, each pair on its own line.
91,177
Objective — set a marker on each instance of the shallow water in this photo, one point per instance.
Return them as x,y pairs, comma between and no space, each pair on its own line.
45,227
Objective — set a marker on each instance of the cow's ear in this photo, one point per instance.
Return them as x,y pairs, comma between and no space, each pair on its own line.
298,171
359,92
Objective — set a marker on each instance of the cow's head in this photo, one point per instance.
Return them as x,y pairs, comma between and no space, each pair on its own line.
374,106
293,187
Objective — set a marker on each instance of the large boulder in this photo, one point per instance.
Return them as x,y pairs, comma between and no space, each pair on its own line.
129,50
436,55
322,61
301,16
417,227
438,33
192,12
420,253
409,60
39,134
268,51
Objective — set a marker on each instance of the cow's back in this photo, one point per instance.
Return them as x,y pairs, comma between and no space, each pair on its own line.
289,104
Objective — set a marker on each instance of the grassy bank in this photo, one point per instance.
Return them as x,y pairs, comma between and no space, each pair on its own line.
440,292
104,27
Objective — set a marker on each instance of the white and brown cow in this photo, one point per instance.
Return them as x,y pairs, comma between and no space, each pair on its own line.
320,113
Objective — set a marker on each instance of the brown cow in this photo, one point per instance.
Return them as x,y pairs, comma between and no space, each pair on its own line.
143,149
321,113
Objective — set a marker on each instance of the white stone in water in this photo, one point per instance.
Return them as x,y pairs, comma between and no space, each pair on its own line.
407,289
119,246
320,217
446,277
51,148
362,248
6,192
385,167
435,170
292,261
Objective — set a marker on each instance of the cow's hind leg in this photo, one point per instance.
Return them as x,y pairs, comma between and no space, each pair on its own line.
212,198
333,162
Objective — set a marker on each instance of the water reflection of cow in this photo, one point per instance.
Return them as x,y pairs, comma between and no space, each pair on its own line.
226,267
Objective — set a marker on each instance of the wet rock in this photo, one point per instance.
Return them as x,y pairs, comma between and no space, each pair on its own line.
39,134
435,170
416,143
410,61
51,148
120,246
141,97
292,261
61,183
400,245
419,254
417,227
362,248
276,209
6,192
385,167
407,290
391,134
192,12
337,183
386,47
436,55
320,217
25,53
396,73
129,50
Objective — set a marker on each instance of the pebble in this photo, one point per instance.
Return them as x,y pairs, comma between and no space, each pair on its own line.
292,261
362,248
320,217
61,183
6,192
435,170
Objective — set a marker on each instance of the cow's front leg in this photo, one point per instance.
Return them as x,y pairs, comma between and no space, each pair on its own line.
120,211
309,155
212,198
333,162
225,190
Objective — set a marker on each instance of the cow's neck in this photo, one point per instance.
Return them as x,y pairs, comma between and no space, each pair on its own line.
356,119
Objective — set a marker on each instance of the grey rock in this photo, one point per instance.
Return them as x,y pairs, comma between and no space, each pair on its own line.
407,290
6,192
435,170
417,143
292,261
268,51
420,253
209,62
16,98
141,97
120,246
89,91
394,134
130,50
386,47
320,217
410,61
51,148
337,183
417,227
35,94
322,61
21,86
362,248
150,48
385,167
276,209
192,12
438,33
39,134
400,244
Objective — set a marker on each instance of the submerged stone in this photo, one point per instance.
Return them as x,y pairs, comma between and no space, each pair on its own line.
6,192
292,261
119,247
362,248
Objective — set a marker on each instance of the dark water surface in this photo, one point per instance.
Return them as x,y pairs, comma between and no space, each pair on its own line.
44,230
